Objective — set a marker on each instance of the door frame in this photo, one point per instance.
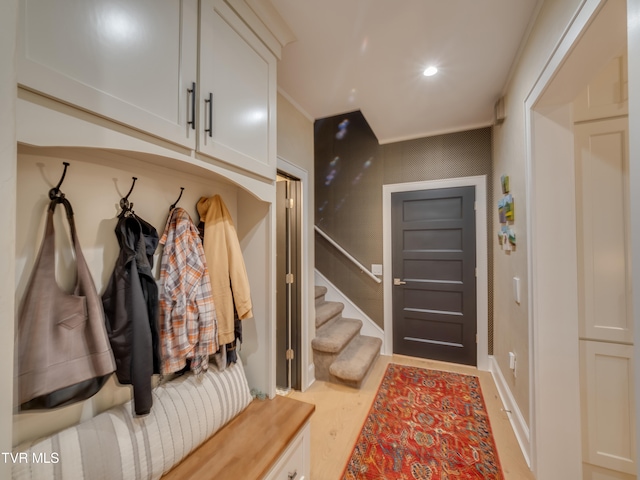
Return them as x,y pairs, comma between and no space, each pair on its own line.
289,300
307,373
482,278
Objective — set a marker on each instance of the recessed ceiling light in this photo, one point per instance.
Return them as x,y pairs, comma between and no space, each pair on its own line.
430,71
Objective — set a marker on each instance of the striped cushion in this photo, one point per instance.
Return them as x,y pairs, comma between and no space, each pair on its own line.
116,445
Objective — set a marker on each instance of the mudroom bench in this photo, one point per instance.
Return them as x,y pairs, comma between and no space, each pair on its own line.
268,440
206,427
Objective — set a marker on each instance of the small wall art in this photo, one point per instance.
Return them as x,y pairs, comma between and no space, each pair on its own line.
509,211
502,213
506,209
507,238
504,181
507,216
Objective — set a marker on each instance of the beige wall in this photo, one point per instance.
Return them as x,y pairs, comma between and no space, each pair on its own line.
295,145
8,15
295,136
511,326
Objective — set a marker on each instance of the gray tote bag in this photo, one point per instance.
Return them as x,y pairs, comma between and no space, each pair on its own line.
64,354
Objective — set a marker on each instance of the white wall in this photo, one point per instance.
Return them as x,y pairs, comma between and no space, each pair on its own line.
8,19
558,450
255,224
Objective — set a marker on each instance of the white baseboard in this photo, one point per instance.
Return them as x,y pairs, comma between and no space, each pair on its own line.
518,423
311,376
351,310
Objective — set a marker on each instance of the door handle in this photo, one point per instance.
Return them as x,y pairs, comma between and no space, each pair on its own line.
397,281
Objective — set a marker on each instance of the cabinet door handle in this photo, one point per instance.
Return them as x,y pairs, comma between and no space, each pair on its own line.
192,92
210,102
293,475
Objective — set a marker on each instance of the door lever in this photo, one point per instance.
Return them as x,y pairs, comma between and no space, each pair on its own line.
397,281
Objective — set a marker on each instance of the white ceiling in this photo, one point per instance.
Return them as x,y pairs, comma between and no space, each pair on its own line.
369,55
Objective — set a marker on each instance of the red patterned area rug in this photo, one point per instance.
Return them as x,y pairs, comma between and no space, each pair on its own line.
425,425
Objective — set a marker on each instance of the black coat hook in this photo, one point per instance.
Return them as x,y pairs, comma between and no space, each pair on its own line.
176,202
55,191
124,201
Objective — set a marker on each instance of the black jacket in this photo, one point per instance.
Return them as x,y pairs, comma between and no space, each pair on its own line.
131,309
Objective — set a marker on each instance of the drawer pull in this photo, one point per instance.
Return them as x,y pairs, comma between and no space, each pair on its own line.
293,475
191,92
210,102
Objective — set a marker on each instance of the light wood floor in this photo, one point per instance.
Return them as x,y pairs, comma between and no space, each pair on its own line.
341,412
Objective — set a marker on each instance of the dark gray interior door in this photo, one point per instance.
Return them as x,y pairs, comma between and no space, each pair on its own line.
434,263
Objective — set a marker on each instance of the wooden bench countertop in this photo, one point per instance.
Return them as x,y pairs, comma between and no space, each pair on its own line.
249,445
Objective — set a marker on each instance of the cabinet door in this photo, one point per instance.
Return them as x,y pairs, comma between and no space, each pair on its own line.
131,62
603,230
606,94
237,92
608,406
294,462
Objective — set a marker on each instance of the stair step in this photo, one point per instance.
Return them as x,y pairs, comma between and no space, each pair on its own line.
354,362
320,291
332,338
328,311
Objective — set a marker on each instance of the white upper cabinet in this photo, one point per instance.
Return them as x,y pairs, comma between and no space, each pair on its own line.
132,62
602,187
143,65
606,94
237,92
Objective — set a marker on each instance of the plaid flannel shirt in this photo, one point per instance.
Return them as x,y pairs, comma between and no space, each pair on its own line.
188,323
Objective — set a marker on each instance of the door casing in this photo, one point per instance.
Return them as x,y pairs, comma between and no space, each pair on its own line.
482,283
306,278
288,295
439,322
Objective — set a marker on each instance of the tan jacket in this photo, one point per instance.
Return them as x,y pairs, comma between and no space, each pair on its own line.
229,282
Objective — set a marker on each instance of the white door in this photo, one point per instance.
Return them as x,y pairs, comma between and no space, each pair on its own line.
237,92
131,62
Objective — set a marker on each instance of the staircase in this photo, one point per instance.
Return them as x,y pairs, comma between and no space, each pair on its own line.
340,353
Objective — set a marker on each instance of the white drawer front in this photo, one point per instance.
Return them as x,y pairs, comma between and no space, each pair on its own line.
294,463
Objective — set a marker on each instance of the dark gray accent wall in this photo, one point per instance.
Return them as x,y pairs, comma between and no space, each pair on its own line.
350,169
